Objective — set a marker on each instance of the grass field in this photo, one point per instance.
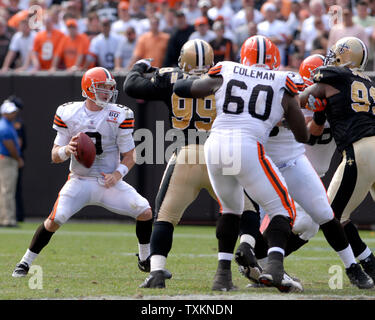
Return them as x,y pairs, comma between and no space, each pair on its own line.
97,261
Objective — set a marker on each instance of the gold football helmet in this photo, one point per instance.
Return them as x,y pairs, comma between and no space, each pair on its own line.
196,57
348,52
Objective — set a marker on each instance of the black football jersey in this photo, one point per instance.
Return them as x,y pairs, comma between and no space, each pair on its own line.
350,113
185,113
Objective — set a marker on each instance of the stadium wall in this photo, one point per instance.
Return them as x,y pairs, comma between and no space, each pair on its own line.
42,180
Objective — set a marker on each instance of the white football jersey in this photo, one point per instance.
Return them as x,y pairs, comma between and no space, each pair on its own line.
110,129
321,153
250,98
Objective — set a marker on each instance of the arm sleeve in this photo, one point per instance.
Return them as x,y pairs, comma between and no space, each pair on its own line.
139,87
293,83
125,139
60,126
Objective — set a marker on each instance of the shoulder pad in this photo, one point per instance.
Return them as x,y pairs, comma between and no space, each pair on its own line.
165,77
215,71
293,83
329,74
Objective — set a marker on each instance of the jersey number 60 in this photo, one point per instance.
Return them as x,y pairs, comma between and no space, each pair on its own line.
240,103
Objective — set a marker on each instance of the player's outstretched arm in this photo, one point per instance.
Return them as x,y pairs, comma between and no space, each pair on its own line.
197,88
295,118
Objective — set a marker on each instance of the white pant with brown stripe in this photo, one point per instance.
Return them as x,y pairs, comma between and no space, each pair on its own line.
238,163
185,176
79,192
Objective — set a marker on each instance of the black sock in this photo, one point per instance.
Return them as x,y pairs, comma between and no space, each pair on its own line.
227,229
40,239
278,232
161,238
335,235
351,232
143,231
294,243
250,223
261,247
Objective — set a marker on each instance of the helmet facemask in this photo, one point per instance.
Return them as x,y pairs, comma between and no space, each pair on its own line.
104,92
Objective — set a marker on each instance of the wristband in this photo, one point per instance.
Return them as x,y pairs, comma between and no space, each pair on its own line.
319,117
123,169
62,154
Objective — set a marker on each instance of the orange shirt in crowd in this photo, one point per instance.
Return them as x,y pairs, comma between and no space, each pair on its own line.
45,45
69,49
152,46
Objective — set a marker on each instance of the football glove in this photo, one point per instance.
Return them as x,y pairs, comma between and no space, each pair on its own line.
146,62
316,104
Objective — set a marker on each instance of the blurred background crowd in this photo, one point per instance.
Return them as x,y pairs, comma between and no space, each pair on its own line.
50,35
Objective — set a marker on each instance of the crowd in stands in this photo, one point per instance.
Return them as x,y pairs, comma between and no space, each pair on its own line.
50,35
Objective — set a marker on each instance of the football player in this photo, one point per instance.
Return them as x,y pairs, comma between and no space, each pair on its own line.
110,126
299,174
186,173
251,98
350,96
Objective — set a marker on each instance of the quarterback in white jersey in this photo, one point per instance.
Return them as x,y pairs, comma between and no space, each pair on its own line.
110,126
250,99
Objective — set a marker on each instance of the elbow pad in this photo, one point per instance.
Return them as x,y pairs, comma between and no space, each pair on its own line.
183,88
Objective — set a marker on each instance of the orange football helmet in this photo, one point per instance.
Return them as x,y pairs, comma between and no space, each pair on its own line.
260,51
99,86
308,66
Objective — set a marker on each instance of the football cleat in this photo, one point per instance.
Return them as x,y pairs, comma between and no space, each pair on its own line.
247,263
21,270
223,281
358,277
144,265
156,279
368,265
273,274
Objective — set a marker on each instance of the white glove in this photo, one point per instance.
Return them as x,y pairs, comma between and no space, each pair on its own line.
147,62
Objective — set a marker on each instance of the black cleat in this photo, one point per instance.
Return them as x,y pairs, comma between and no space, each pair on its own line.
247,263
273,274
156,279
144,265
223,281
368,265
21,270
358,277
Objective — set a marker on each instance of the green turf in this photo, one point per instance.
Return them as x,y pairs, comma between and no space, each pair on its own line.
97,260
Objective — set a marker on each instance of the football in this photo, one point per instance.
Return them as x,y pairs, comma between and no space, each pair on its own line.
86,150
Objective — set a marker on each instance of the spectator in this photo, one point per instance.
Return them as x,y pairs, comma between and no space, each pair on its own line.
135,10
13,7
363,19
45,46
242,33
170,21
152,44
72,49
204,6
242,16
320,43
347,28
177,40
308,30
93,26
223,47
21,44
202,30
103,47
4,40
106,9
293,22
275,30
191,10
221,8
72,10
125,21
21,134
283,9
125,49
10,161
